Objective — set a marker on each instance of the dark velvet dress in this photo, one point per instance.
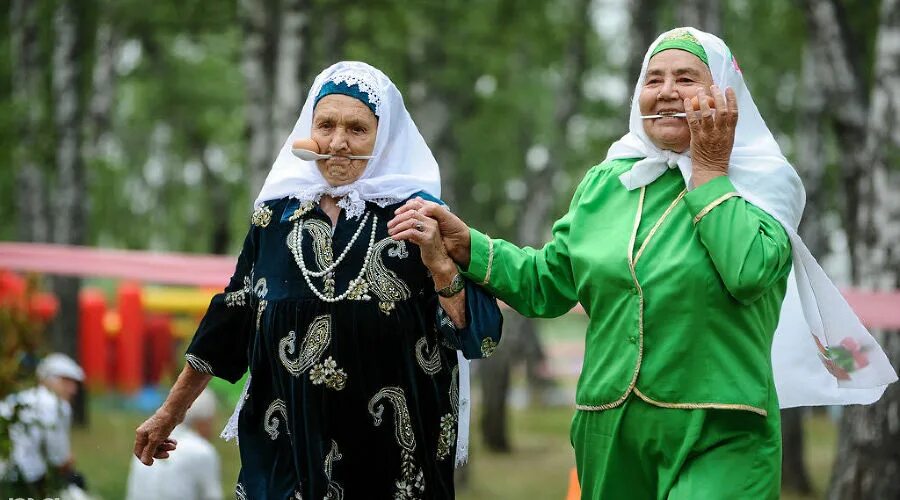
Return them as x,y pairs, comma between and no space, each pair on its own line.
354,398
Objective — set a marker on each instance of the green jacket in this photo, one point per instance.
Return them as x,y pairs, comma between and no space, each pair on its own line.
683,289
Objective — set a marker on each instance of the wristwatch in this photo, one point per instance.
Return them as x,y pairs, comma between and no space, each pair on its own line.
457,284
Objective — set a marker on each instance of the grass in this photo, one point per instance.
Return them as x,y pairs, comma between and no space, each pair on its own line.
537,468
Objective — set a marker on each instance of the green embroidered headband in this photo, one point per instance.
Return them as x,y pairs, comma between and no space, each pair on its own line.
682,40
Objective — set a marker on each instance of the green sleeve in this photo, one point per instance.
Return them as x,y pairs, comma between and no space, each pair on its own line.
536,283
748,247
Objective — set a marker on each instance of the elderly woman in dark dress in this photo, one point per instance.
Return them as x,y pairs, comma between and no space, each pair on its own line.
355,342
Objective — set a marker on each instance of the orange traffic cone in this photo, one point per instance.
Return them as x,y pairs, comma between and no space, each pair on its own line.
574,487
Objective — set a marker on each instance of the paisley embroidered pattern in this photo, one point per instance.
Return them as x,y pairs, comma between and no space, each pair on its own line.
487,347
411,483
261,217
383,282
238,297
321,244
335,491
429,362
318,336
261,291
271,421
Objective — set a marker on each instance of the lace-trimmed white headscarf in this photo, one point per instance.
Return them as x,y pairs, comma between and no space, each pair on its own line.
821,354
403,163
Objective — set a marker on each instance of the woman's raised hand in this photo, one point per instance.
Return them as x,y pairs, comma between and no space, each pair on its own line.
712,134
416,215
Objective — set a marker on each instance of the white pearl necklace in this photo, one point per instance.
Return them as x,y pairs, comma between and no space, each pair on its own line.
355,283
333,266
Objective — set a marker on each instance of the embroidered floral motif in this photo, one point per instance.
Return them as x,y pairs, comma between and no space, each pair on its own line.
318,336
447,437
383,282
302,210
335,491
239,492
198,364
271,421
411,483
843,359
359,290
429,362
238,297
329,374
261,217
487,347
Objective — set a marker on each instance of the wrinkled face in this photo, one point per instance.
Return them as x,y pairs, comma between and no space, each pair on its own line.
672,76
342,126
64,388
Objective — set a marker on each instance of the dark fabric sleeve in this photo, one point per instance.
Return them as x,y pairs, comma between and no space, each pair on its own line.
484,323
220,345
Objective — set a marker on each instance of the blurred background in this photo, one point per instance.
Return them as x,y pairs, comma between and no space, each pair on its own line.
134,136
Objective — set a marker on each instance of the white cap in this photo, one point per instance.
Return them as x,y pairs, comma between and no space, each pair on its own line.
203,408
59,365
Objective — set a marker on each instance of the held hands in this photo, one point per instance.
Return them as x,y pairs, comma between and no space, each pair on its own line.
152,437
450,232
712,134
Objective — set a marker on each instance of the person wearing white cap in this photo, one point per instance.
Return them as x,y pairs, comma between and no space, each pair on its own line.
41,452
193,472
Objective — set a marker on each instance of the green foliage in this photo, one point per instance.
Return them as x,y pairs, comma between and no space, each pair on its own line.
177,133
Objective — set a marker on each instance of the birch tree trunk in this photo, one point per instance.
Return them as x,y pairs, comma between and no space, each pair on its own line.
69,193
289,91
810,162
31,199
705,15
866,122
274,48
642,31
257,63
521,340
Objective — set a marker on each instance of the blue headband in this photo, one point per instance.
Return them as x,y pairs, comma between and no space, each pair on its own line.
343,88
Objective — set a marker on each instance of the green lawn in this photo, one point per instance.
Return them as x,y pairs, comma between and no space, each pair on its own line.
536,469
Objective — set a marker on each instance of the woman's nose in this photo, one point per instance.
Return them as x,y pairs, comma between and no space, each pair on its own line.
338,140
668,89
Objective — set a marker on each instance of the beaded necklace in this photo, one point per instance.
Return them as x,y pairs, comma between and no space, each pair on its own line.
357,288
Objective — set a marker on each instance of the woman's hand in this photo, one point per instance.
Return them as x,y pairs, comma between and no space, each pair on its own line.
152,437
451,229
424,232
712,134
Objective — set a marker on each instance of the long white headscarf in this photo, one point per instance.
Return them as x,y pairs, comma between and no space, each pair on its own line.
821,354
403,163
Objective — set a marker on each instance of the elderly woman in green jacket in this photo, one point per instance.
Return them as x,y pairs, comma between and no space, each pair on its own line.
679,246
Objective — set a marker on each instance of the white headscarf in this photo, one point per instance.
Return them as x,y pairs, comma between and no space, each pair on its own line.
403,164
813,305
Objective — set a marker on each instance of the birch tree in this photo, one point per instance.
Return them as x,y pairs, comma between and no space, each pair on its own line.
865,122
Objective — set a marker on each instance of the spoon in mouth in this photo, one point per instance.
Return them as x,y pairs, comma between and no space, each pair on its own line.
664,115
307,155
